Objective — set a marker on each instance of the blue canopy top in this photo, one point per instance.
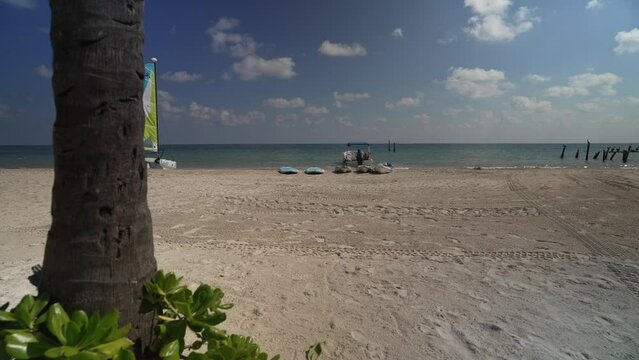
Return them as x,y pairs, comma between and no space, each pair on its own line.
357,143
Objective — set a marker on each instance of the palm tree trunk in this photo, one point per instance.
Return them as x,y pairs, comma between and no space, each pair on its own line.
99,249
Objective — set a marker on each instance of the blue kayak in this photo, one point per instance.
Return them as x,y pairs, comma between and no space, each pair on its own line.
288,170
314,170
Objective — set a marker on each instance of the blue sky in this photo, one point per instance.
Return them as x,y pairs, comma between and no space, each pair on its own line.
331,71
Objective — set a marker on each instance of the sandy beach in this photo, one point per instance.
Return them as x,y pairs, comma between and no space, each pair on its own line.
418,264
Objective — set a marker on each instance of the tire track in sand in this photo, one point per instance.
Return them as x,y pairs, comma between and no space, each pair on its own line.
626,274
364,252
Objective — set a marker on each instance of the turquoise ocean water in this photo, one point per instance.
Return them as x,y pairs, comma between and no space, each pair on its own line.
328,155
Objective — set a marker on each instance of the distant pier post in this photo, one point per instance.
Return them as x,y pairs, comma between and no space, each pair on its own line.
577,154
563,150
624,157
596,155
605,155
388,145
587,149
393,147
614,152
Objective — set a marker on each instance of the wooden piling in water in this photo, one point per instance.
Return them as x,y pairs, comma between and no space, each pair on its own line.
563,150
577,154
587,149
596,155
624,157
393,147
613,155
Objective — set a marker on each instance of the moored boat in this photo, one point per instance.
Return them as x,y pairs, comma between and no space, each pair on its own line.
287,170
342,169
382,168
314,170
357,153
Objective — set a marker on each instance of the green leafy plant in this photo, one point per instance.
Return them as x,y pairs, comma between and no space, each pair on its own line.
35,330
200,312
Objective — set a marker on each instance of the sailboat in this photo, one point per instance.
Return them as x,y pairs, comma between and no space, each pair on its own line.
151,129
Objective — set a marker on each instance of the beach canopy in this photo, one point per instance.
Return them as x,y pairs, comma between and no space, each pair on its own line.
357,143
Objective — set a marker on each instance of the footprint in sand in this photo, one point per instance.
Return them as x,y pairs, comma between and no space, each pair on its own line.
373,350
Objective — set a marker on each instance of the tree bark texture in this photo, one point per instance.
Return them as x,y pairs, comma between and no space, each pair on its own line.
99,250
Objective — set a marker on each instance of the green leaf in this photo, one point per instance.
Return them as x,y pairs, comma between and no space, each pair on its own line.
213,334
124,355
40,303
88,355
80,318
72,333
112,348
61,351
170,351
3,352
22,311
203,299
227,351
25,345
7,317
276,357
314,352
57,319
118,333
197,356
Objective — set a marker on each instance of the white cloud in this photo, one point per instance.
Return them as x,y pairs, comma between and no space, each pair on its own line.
281,103
381,120
314,121
225,23
627,42
348,97
583,84
202,113
536,78
286,120
254,67
407,102
398,33
491,20
588,107
242,46
165,103
44,71
633,100
28,4
314,110
344,121
230,118
238,45
180,76
477,83
424,117
447,40
337,49
524,103
594,4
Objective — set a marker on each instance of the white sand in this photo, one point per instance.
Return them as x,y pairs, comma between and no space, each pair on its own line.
418,264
